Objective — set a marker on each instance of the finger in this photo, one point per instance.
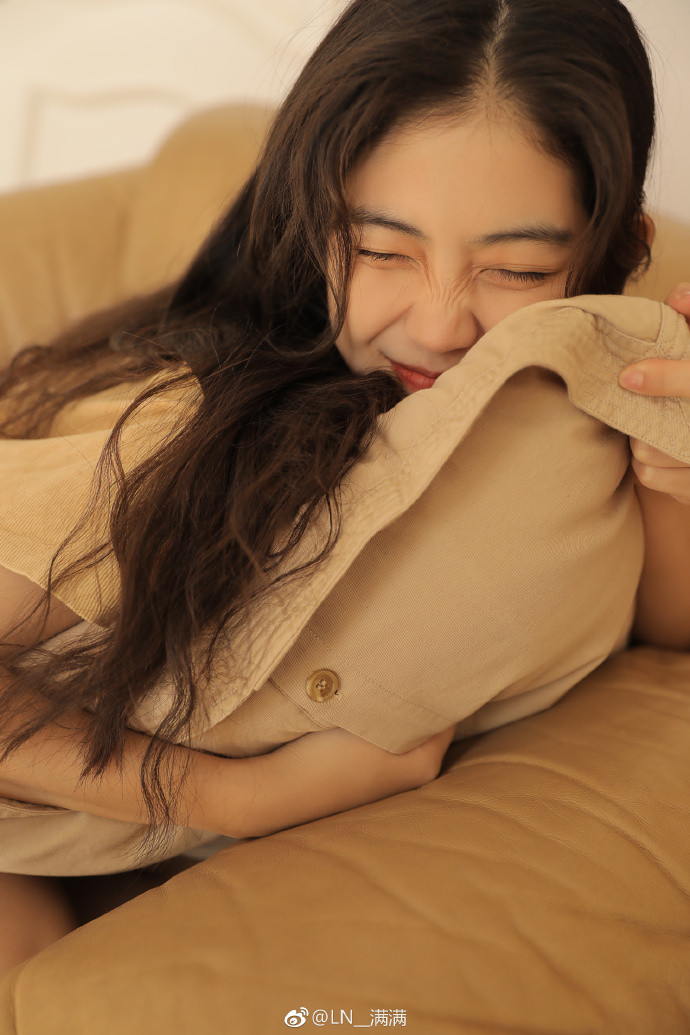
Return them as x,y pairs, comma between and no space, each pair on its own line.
647,454
669,377
679,298
671,482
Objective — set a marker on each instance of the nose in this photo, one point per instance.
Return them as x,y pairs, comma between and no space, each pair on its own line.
442,322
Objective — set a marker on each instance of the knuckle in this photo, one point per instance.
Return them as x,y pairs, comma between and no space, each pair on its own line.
640,450
646,474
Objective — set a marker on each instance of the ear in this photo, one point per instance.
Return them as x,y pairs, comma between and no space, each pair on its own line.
647,229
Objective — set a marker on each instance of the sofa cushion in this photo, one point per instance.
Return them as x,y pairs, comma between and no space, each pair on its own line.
540,884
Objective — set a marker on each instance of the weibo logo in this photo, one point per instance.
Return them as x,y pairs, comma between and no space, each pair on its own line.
296,1018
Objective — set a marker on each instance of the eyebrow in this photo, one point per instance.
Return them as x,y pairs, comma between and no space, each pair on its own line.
545,233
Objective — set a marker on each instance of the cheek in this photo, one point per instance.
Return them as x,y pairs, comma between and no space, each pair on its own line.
374,303
492,306
377,302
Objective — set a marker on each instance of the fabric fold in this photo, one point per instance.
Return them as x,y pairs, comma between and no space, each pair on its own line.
489,558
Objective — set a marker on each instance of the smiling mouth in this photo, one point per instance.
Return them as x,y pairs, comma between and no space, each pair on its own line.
417,370
418,377
415,378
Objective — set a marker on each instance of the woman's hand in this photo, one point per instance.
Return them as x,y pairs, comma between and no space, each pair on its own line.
332,771
662,377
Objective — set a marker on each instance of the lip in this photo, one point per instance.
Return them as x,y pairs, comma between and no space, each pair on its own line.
414,377
418,370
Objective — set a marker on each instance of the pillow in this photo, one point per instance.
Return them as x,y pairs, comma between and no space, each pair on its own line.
489,559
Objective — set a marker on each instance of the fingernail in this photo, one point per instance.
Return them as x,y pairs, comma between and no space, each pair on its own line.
682,291
631,379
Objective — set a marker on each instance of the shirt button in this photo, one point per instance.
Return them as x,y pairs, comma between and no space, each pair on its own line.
322,684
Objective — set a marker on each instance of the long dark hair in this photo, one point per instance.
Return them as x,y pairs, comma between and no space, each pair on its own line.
281,418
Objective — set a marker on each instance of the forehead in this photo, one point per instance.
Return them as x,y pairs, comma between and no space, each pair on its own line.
469,174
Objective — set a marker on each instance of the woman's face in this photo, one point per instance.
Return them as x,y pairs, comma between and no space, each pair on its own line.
458,225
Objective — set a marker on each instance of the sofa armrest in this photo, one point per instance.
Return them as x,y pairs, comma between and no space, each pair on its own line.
61,247
72,248
670,260
187,187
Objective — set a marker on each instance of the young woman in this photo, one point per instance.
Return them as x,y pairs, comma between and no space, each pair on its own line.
438,165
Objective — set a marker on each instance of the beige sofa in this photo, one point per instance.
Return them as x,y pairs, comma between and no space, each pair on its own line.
540,885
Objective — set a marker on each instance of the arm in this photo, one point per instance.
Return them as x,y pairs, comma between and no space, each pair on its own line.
332,771
662,484
317,775
47,769
662,615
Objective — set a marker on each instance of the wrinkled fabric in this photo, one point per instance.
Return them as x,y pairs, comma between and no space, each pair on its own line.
489,558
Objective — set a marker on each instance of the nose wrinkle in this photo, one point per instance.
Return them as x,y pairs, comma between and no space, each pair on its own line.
445,305
443,320
447,293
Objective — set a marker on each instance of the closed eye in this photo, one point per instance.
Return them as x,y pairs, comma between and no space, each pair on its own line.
524,276
379,255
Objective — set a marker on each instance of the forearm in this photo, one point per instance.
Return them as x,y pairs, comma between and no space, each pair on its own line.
238,797
215,795
662,616
317,775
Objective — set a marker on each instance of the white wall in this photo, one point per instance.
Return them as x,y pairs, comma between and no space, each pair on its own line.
93,85
665,25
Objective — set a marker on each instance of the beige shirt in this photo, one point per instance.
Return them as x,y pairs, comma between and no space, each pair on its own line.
489,558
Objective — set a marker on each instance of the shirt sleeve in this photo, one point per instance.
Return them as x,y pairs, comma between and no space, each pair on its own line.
48,484
509,579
